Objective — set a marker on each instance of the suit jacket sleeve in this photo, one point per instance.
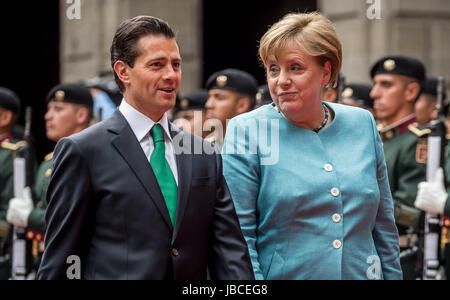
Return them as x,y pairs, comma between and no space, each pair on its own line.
228,253
242,174
385,232
68,210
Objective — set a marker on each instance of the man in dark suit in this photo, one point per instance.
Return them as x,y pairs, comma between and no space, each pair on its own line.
134,197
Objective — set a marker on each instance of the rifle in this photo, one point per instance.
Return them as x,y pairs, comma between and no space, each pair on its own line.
341,86
432,228
22,178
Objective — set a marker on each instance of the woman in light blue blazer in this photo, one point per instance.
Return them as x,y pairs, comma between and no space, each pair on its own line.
309,178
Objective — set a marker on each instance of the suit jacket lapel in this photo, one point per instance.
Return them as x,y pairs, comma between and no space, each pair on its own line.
184,167
127,145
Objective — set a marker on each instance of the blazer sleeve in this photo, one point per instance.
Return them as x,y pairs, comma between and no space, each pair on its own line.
228,257
67,215
385,232
241,171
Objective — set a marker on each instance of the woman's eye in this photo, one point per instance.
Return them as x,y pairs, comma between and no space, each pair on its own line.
273,69
296,67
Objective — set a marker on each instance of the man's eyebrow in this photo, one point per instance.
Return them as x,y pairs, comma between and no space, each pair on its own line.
163,58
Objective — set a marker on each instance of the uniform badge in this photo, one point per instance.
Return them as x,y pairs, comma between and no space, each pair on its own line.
222,80
258,98
347,93
389,65
48,173
60,95
422,151
184,103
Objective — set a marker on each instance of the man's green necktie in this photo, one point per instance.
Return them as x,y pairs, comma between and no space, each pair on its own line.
164,175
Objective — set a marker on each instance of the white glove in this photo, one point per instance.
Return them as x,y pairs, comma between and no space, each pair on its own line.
19,209
431,196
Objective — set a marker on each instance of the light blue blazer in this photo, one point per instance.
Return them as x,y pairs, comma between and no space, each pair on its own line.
312,206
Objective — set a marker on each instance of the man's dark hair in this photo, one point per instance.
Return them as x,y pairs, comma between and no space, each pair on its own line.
124,46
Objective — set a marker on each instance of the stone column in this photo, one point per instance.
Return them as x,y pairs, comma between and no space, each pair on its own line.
410,27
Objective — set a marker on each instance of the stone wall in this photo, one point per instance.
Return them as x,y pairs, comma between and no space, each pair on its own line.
411,27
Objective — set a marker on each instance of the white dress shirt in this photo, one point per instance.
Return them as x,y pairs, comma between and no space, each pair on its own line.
141,125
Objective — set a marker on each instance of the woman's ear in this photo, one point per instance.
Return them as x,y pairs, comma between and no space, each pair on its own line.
327,69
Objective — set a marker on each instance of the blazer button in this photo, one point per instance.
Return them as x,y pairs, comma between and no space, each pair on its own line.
175,252
328,168
337,244
335,192
336,218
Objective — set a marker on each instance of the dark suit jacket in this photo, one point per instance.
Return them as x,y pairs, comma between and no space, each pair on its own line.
105,206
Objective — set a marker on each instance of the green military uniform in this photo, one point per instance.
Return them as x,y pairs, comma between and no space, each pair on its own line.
36,220
405,148
6,193
445,238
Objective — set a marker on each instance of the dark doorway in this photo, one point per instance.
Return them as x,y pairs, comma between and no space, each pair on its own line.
30,58
232,30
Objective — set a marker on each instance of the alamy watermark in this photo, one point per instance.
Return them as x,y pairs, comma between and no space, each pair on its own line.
374,10
244,137
374,270
74,270
73,11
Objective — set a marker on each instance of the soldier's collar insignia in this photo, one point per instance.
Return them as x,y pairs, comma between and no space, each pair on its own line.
389,65
60,95
222,80
347,93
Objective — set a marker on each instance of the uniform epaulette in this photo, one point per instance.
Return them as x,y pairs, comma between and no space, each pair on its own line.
12,146
48,157
414,128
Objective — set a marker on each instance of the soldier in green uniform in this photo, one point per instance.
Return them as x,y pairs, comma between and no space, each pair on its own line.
433,197
231,93
190,112
69,110
398,82
425,107
9,110
358,95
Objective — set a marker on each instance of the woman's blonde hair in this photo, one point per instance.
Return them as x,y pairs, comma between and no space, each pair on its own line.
312,32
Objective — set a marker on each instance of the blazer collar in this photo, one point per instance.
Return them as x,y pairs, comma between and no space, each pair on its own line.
127,145
129,148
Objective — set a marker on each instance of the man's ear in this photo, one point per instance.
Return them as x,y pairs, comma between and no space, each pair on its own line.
412,91
82,115
5,118
122,70
243,105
